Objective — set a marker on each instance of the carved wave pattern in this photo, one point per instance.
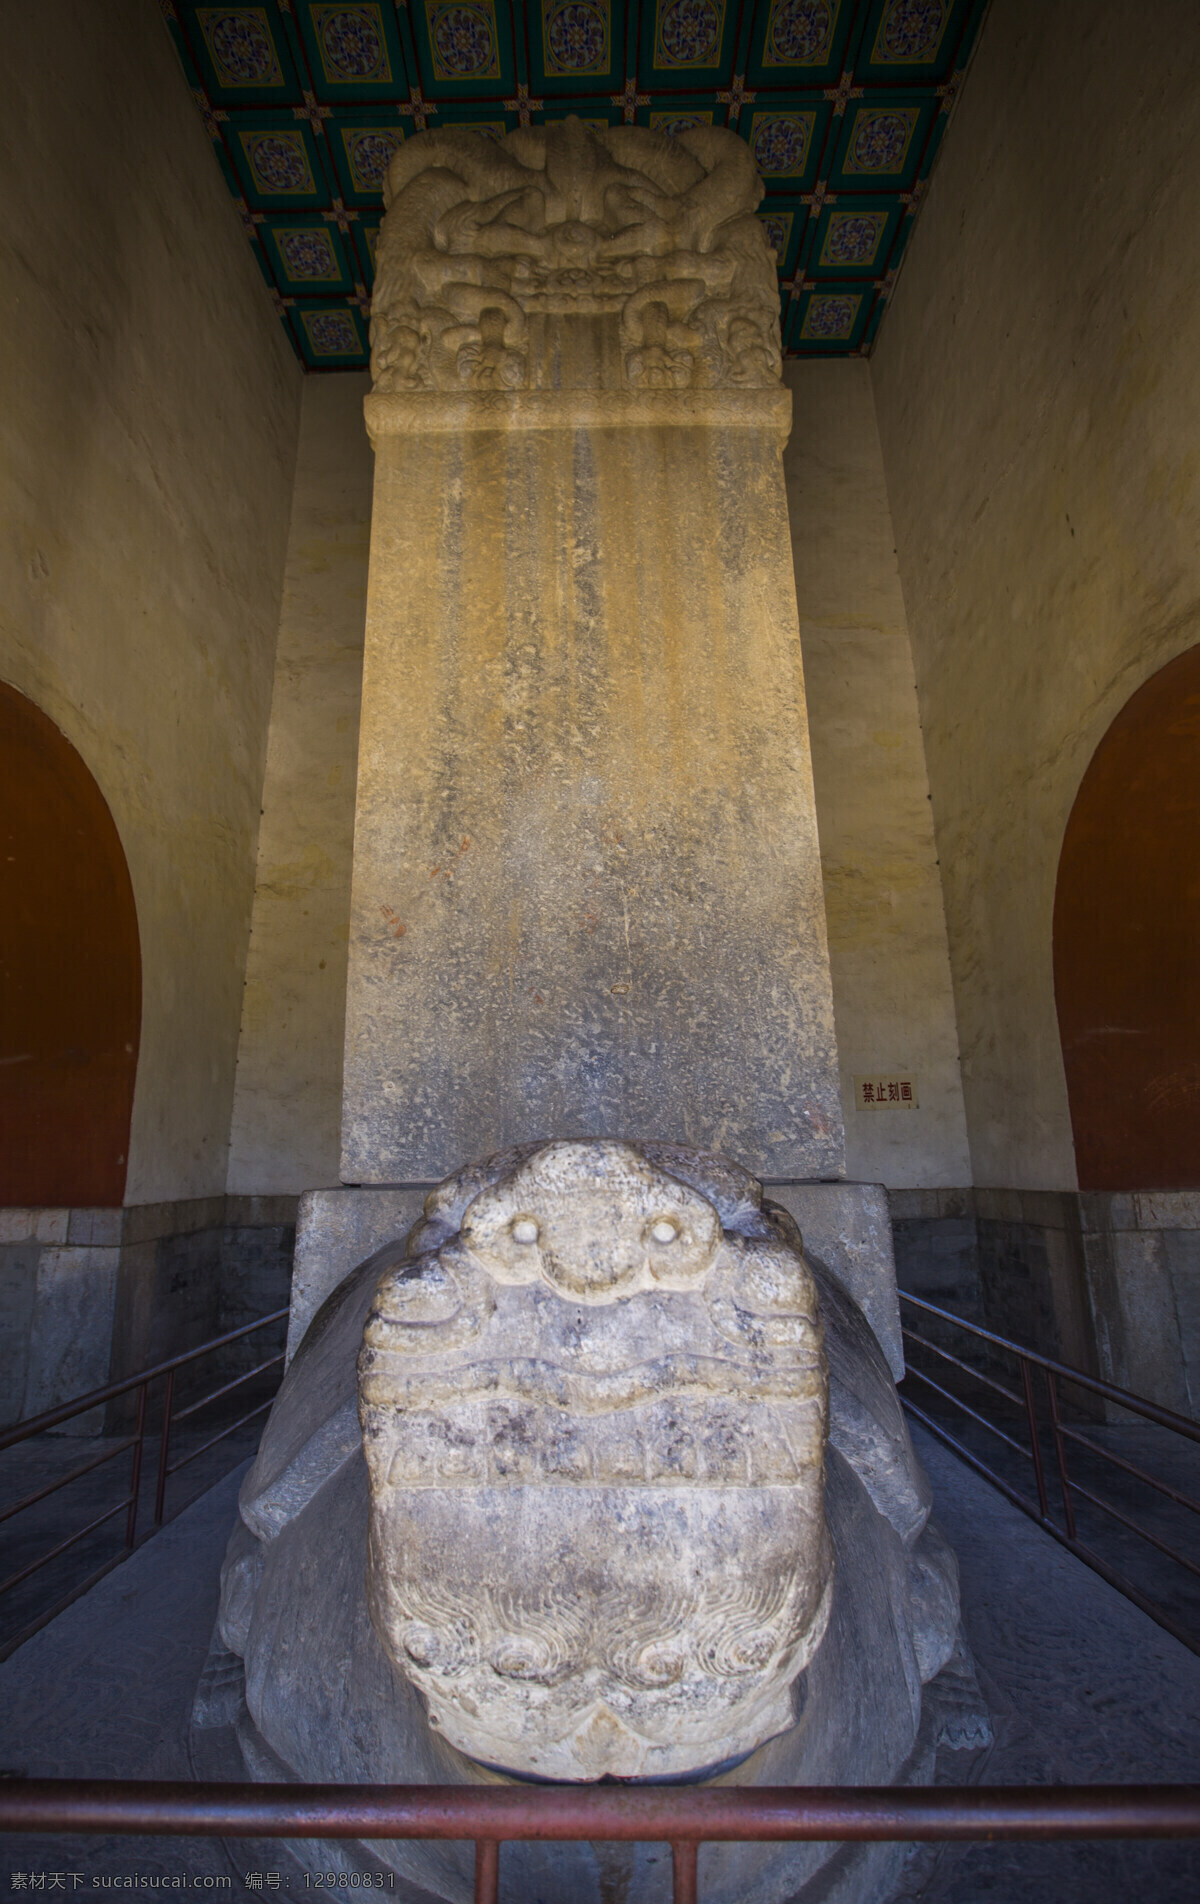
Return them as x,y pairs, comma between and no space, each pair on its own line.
575,1391
609,1556
647,1645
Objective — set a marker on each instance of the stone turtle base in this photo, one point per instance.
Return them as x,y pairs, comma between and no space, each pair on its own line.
953,1746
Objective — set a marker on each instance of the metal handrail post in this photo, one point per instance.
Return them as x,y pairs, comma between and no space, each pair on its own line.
66,1411
1060,1452
135,1472
164,1447
1035,1446
129,1504
1066,1527
487,1870
685,1853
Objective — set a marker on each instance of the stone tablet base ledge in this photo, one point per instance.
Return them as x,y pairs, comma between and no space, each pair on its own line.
435,413
846,1229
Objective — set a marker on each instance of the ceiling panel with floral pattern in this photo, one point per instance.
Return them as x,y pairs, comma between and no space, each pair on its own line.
843,103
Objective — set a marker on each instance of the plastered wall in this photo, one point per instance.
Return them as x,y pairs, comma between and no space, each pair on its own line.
287,1108
1037,383
887,937
148,414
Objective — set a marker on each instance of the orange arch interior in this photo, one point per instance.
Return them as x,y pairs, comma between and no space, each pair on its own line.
70,973
1127,943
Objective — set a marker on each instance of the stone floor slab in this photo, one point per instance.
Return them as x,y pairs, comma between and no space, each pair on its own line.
1082,1687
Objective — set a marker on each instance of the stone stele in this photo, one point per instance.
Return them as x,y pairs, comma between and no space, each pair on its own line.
587,889
594,1477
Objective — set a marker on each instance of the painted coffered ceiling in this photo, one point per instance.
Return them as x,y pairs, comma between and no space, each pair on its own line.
843,103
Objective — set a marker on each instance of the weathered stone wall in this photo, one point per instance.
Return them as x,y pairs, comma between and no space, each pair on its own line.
288,1102
1107,1281
1010,1259
148,412
89,1296
892,999
1038,396
1142,1253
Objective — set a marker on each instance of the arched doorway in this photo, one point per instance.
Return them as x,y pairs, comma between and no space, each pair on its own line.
1127,943
70,973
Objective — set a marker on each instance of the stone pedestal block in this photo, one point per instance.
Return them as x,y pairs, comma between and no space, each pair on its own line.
336,1230
847,1229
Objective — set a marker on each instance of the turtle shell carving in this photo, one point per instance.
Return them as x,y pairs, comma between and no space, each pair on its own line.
593,1475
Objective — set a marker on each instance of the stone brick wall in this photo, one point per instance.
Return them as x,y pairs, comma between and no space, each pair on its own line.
89,1296
1107,1281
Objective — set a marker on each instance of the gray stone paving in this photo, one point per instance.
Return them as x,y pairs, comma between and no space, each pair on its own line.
49,1457
105,1691
1082,1687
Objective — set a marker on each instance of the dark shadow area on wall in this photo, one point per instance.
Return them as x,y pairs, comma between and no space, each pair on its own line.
1127,943
70,973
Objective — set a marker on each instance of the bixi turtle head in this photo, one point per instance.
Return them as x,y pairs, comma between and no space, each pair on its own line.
572,1400
595,1221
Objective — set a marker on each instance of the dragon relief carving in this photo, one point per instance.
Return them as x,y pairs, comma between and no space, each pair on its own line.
485,243
594,1405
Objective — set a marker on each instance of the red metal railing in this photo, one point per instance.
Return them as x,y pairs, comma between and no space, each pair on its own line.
685,1817
133,1444
1061,1435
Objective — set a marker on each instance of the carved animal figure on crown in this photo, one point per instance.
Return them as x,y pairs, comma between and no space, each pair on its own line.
593,1476
560,222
